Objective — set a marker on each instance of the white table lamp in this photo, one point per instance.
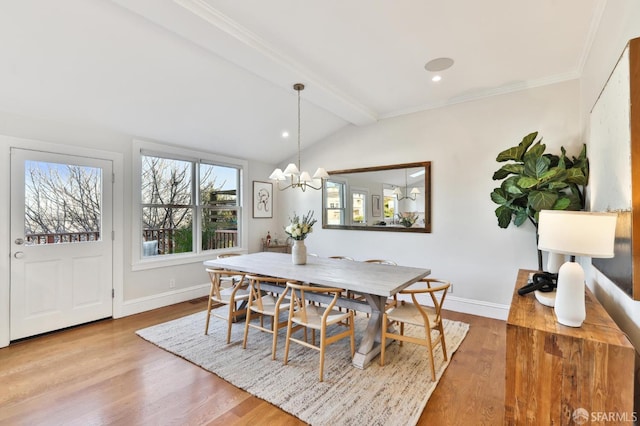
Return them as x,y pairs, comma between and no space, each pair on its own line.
575,233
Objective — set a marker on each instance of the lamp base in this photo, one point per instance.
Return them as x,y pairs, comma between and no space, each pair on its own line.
569,305
546,298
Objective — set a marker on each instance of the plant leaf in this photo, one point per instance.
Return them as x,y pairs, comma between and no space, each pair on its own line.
562,203
557,185
510,186
521,217
575,175
508,169
498,196
515,153
527,182
536,167
542,200
536,151
503,214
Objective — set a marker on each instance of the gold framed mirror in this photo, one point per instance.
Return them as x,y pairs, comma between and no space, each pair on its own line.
395,198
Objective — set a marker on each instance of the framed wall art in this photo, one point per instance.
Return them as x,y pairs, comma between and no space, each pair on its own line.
376,206
262,200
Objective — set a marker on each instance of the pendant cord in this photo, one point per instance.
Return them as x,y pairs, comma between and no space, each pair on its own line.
299,167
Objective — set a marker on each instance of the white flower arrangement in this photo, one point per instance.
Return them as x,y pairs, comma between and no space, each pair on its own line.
297,229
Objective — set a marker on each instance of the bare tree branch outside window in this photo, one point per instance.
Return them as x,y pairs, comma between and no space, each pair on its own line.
62,202
169,203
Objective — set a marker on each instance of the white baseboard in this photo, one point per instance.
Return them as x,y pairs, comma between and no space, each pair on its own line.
477,307
467,306
135,306
452,303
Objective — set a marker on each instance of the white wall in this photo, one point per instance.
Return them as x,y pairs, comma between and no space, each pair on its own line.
136,291
462,142
620,22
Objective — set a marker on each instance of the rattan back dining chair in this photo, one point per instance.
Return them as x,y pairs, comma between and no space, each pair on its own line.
261,303
427,317
303,315
234,296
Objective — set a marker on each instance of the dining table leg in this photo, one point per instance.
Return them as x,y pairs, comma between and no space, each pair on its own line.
370,344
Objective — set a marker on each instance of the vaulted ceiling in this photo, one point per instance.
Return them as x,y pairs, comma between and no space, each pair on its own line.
218,74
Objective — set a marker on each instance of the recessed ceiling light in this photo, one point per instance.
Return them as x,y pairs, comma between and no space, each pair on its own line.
285,134
436,78
439,64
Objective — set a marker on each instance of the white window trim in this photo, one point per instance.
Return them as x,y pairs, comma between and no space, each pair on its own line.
345,210
138,263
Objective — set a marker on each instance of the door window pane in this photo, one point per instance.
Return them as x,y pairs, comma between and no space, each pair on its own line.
62,203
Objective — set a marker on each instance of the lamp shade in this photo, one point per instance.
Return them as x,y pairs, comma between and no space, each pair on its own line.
577,233
291,170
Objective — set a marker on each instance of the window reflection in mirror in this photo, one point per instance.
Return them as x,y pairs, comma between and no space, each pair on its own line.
383,198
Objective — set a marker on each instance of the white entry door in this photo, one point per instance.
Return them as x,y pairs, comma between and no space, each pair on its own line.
61,241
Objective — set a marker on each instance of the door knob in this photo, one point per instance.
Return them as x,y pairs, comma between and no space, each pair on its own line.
18,255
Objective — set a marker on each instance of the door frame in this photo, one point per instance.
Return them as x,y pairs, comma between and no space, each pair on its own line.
7,142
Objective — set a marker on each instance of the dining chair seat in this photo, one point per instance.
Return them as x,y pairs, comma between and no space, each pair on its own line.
268,305
227,294
314,316
410,314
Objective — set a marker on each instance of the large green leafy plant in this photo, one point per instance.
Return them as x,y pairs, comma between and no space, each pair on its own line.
533,181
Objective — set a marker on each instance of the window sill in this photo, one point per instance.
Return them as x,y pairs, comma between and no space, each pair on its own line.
155,262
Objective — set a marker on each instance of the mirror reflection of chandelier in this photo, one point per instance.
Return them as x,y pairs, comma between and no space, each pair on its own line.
297,178
412,194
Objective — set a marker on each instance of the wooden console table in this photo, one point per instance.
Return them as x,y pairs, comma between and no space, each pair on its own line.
278,248
553,370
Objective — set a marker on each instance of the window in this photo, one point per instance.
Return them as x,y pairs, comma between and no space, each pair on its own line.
62,203
188,206
359,206
390,204
335,210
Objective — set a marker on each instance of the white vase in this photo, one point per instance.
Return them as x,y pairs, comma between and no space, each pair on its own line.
299,252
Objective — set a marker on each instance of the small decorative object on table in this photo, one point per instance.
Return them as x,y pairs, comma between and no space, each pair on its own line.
407,219
298,229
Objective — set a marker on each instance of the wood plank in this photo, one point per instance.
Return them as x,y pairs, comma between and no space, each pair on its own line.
360,277
102,373
558,369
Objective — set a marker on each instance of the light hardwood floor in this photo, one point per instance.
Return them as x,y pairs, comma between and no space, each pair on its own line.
102,373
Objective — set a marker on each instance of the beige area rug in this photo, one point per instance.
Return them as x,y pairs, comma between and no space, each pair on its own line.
395,394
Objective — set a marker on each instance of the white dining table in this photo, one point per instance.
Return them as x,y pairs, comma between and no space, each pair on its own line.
375,282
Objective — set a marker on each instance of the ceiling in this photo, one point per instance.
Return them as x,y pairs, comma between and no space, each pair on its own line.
218,74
